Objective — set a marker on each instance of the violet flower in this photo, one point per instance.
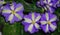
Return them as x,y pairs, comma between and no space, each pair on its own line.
13,12
48,22
58,3
31,22
48,5
2,2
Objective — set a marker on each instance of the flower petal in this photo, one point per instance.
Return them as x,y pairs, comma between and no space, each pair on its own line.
49,1
45,8
10,17
45,1
38,18
53,19
30,27
37,25
50,4
13,6
53,26
34,30
2,2
43,22
47,29
50,9
33,17
19,7
27,20
18,16
6,11
47,16
26,25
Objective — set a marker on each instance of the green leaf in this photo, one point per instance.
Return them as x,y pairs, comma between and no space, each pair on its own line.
13,29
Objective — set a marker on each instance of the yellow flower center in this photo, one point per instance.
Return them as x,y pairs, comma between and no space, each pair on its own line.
33,22
48,22
13,12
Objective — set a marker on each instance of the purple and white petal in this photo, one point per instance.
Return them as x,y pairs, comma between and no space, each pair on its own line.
10,17
48,5
27,20
38,18
30,27
43,22
13,6
50,23
19,7
37,26
10,14
18,16
2,2
33,16
47,28
53,27
32,19
53,19
6,9
47,16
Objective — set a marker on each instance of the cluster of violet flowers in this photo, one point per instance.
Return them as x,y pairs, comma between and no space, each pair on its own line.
33,21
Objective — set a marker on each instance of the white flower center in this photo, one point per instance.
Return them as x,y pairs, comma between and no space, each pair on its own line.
48,22
33,22
13,12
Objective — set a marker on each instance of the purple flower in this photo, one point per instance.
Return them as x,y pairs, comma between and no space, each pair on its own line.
13,12
31,22
48,22
58,3
1,2
48,5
